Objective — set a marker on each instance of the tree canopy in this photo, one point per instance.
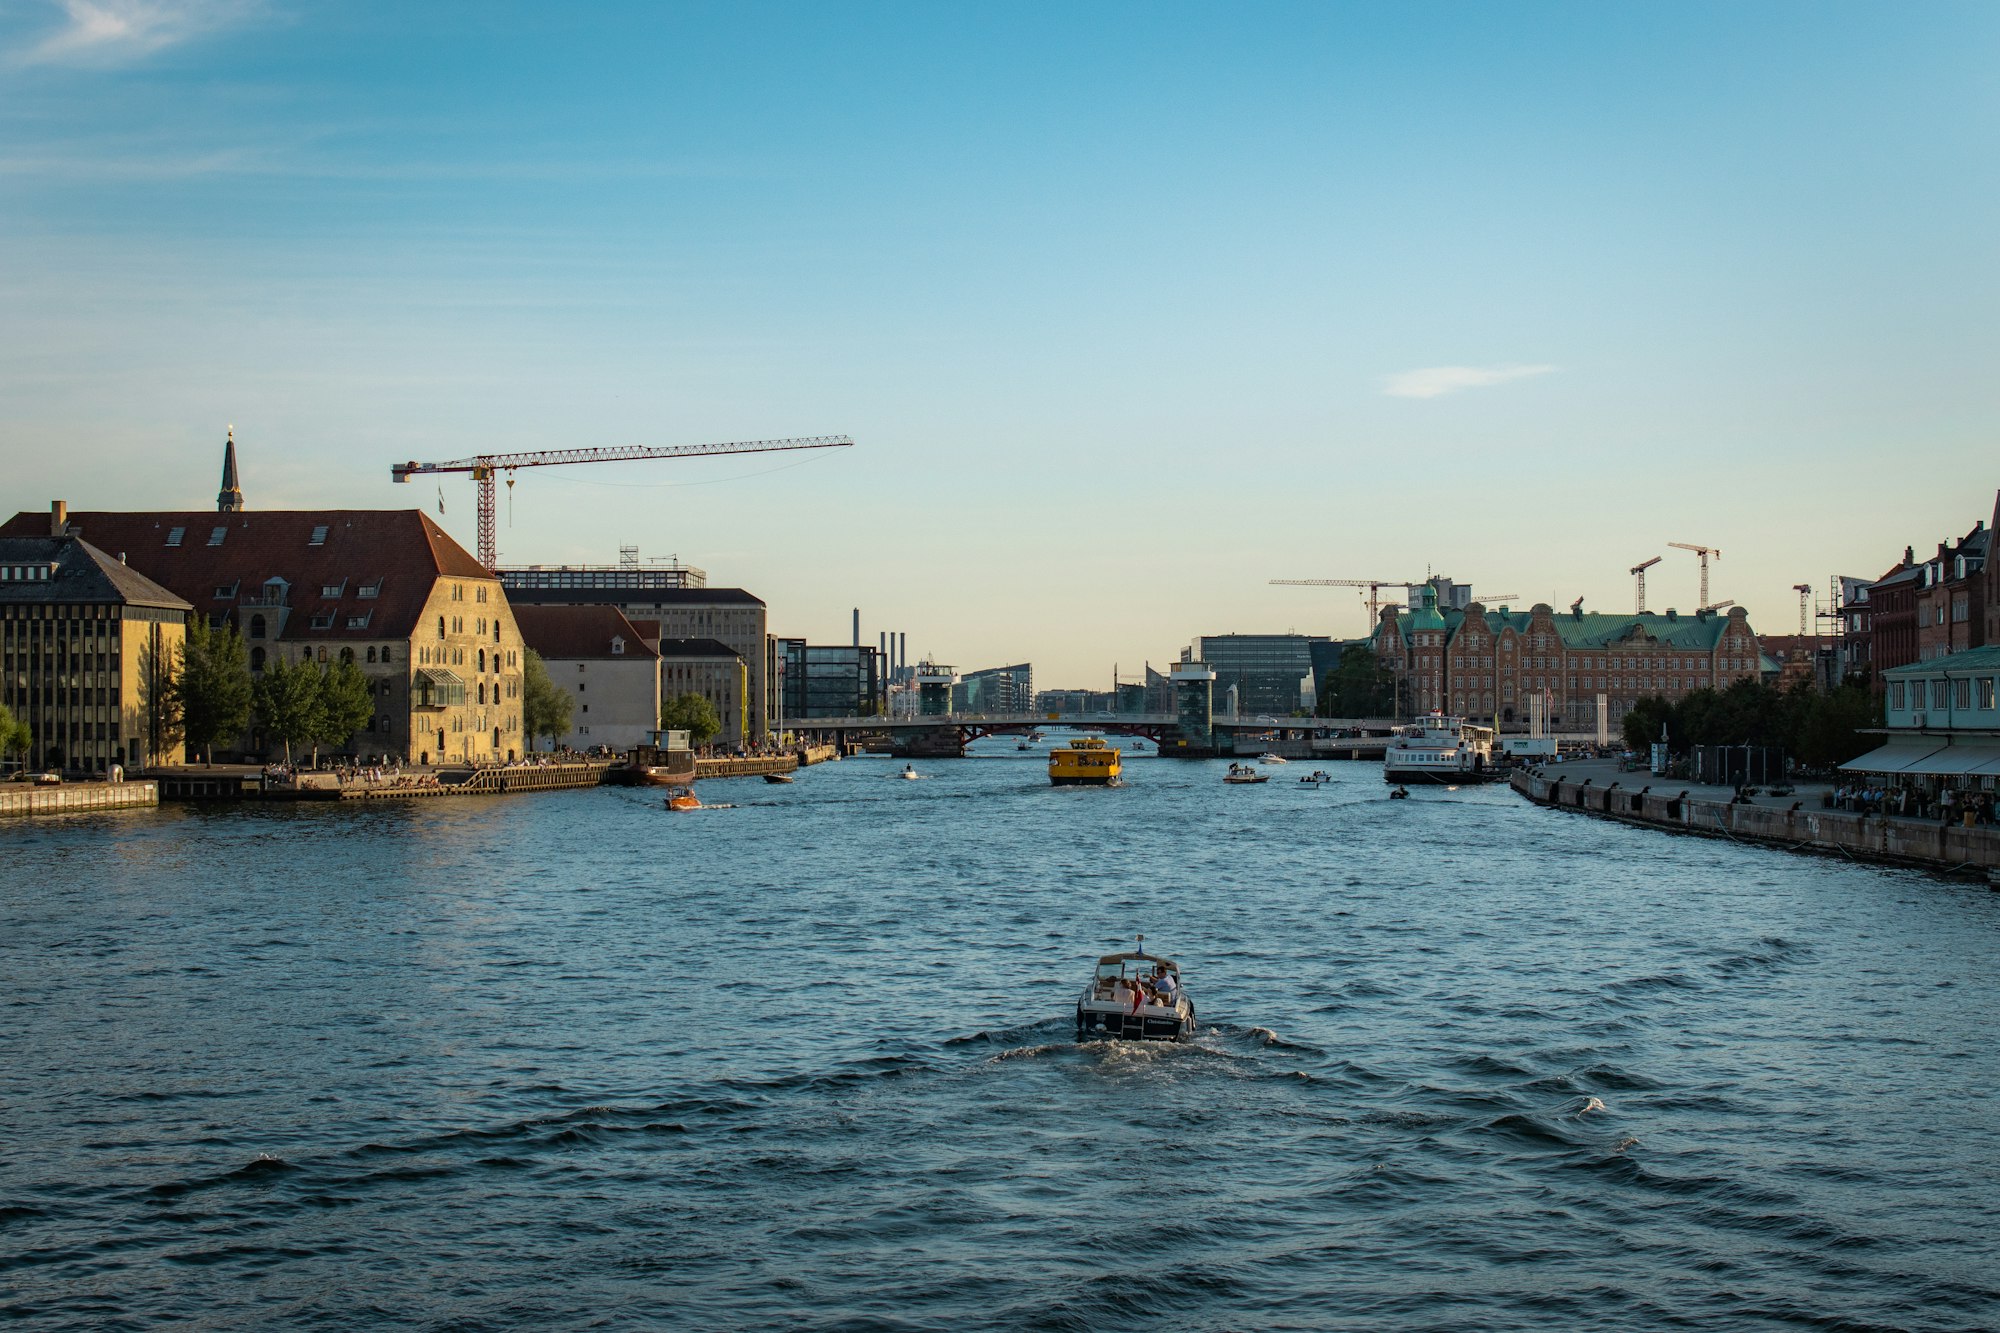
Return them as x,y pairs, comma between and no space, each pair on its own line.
1360,686
1817,730
211,687
545,710
347,704
692,713
14,735
291,703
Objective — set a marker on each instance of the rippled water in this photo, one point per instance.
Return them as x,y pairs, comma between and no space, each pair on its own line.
807,1062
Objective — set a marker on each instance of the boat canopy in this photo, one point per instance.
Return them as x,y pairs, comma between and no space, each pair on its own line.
1119,959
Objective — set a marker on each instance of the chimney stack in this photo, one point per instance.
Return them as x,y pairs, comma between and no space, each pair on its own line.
857,627
58,518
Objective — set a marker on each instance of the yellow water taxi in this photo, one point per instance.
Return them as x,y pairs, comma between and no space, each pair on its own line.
1085,762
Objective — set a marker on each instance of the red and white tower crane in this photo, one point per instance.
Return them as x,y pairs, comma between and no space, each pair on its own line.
485,468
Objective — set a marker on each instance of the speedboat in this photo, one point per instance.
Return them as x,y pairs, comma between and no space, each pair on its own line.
1137,997
908,772
1269,758
682,798
1317,776
777,777
1242,774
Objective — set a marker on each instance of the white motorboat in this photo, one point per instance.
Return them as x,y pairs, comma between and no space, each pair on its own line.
1440,749
1269,758
1135,997
908,773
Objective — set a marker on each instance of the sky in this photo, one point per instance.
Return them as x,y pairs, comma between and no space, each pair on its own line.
1129,308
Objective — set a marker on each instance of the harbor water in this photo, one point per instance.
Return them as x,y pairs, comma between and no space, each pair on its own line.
572,1061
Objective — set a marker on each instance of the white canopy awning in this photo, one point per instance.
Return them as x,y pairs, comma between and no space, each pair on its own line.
1960,759
1897,756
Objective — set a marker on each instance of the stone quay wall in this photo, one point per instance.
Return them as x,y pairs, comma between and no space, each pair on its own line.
1919,842
29,799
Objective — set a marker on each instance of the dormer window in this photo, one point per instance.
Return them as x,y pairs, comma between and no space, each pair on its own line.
324,620
174,536
369,589
225,590
617,645
360,621
319,536
216,535
333,590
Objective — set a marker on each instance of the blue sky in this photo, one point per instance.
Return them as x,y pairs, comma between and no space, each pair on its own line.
1131,308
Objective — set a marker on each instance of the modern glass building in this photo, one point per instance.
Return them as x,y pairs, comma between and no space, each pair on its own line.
1265,674
1007,689
832,680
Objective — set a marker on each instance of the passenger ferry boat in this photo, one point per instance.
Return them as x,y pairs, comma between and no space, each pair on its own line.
1086,761
1135,997
1440,749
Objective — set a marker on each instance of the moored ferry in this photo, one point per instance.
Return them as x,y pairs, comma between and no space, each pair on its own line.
1086,761
1440,749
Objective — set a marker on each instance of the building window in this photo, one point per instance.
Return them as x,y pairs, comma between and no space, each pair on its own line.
257,627
1938,694
1961,693
174,536
440,627
1986,686
319,536
257,659
388,655
371,652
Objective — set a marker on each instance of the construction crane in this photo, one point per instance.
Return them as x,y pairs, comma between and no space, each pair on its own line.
1804,590
1704,552
1374,587
1638,572
486,467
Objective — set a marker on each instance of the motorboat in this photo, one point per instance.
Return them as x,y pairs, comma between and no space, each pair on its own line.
778,777
1269,758
1135,997
909,773
1244,774
1316,777
1442,750
1086,761
1400,794
682,798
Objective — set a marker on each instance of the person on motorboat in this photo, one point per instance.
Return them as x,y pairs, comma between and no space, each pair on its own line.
1164,985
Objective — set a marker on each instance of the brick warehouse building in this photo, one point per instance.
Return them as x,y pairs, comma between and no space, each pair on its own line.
387,589
1486,666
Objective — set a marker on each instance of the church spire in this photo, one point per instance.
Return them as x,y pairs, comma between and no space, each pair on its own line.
229,499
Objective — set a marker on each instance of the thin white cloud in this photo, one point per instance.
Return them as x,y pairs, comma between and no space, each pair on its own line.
112,32
1437,381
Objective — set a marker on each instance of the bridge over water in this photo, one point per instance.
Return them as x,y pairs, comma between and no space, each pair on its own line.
947,735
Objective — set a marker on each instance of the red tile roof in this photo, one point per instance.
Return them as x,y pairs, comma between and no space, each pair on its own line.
568,633
401,550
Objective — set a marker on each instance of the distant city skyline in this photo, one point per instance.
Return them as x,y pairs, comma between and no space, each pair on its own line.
1129,310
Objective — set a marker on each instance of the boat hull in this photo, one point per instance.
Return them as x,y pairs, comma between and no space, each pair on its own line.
1083,780
1149,1024
1410,777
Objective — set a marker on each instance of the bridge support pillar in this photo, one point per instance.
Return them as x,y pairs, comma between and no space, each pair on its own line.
944,742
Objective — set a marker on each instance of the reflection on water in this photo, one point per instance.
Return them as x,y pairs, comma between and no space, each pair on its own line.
808,1062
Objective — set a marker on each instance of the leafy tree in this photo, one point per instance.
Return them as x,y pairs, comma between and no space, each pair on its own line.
212,686
692,713
291,702
159,700
1359,686
14,735
1643,722
1816,730
347,705
545,710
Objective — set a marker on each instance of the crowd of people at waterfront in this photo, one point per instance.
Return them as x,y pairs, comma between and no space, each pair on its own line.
1947,806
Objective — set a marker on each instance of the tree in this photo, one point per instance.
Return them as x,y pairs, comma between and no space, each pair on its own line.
545,710
1644,721
692,713
1359,686
212,686
158,697
347,705
14,735
291,702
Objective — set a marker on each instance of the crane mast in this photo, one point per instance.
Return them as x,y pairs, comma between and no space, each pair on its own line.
1704,552
485,468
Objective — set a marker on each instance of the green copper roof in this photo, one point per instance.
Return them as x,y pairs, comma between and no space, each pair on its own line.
1971,659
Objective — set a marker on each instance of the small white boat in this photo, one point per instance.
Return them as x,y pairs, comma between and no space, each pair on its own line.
1268,758
1135,997
908,773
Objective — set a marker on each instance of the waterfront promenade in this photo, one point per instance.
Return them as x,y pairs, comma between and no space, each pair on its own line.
1800,821
23,798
